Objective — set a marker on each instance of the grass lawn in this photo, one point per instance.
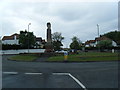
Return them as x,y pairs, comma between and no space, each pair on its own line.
23,57
88,56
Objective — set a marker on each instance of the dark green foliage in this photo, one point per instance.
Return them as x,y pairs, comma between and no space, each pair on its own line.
104,44
114,35
57,36
75,43
26,39
56,45
57,40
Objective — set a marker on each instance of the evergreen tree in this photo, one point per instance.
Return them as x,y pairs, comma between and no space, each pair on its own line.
75,43
26,39
114,35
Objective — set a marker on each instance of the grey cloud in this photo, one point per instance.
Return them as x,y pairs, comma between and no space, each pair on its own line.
77,11
7,28
71,19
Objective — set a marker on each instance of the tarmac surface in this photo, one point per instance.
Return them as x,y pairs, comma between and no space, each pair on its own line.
59,75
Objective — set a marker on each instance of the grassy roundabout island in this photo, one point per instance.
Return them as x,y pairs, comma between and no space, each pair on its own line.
81,57
87,56
24,57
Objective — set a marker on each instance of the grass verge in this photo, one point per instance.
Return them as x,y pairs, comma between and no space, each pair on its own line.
23,57
88,56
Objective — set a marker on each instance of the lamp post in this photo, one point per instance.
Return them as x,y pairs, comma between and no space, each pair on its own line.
98,29
98,36
28,36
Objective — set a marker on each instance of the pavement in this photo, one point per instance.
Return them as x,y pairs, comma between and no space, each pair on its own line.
59,75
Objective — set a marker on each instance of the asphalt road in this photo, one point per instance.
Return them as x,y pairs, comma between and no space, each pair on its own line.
59,75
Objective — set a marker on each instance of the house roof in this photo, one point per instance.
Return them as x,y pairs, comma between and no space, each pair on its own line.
97,39
39,39
17,36
10,37
90,41
102,38
43,41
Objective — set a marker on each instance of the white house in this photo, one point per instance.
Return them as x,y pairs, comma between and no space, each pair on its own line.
90,43
39,42
13,39
105,38
93,43
114,44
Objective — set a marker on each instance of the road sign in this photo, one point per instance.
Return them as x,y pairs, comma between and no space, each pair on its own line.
65,55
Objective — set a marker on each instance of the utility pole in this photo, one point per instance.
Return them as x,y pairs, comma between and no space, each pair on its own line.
28,36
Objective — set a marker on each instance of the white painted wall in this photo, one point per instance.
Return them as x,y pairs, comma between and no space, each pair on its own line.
22,51
11,42
87,46
38,42
114,43
93,44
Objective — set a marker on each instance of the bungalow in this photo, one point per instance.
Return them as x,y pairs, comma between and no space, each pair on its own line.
14,39
39,42
93,43
90,43
105,38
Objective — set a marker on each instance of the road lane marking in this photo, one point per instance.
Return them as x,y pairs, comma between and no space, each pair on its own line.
60,73
33,73
24,73
10,72
75,79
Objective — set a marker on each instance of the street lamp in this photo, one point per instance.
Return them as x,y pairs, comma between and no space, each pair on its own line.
98,36
28,36
98,29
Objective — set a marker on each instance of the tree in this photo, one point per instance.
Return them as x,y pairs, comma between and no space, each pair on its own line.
104,44
75,43
26,39
57,40
114,35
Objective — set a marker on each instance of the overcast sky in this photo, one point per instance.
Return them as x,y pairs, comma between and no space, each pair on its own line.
70,18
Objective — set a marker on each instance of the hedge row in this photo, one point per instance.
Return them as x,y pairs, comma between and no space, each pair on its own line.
96,48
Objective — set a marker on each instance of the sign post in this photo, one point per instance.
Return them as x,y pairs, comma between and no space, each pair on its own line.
65,56
113,50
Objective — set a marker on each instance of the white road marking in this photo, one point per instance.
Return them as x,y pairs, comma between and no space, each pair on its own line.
75,79
60,73
33,73
24,73
10,72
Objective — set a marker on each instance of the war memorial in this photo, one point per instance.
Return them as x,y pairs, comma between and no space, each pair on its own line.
48,45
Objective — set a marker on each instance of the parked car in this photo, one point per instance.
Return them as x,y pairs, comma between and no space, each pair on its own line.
62,51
